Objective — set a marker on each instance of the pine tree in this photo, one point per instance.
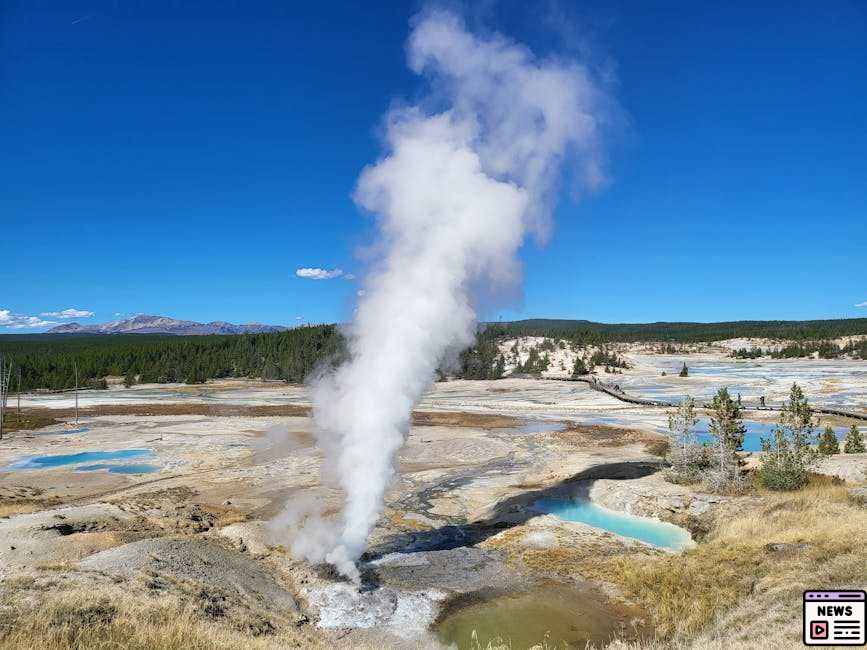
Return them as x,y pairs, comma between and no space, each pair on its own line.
854,441
788,455
500,368
728,432
828,444
580,368
687,457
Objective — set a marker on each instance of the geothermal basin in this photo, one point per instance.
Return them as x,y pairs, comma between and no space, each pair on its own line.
508,494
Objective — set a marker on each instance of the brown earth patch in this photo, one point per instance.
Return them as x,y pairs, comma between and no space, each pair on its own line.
463,419
25,506
570,558
28,420
601,435
41,417
196,408
20,499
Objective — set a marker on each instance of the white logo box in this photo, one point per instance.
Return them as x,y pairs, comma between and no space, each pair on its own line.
835,618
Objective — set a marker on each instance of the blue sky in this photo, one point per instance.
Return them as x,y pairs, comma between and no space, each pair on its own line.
187,158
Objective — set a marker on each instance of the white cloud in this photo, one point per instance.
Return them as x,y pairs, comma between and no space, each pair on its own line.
19,321
69,313
318,274
862,304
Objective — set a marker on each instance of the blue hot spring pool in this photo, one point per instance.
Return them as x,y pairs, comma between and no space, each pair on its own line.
657,533
49,462
755,432
133,468
66,432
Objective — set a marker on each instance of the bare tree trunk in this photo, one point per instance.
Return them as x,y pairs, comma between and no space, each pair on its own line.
75,370
5,375
2,397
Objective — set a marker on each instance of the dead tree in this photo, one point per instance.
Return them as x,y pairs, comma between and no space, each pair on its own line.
5,375
75,370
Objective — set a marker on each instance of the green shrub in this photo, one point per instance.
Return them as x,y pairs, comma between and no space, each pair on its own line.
854,442
580,368
788,455
782,469
828,444
727,430
688,459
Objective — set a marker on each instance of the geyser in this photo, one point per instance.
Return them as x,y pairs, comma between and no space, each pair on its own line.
458,188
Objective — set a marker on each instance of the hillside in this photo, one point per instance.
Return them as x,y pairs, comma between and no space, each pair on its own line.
795,330
50,360
161,350
145,324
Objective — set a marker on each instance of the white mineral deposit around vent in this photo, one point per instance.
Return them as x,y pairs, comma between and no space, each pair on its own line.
406,614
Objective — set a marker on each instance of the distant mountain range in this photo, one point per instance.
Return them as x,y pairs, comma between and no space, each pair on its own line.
144,324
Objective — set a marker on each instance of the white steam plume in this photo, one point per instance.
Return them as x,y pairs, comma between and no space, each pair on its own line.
454,195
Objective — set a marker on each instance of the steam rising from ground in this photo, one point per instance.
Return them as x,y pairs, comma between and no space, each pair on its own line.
455,194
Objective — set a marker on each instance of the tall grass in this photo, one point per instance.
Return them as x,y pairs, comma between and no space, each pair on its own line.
103,617
746,579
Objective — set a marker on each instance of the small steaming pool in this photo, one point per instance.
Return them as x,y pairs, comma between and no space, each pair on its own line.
82,458
657,533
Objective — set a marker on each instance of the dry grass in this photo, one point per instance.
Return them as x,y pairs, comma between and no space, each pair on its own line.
16,499
109,617
20,507
114,617
733,588
658,448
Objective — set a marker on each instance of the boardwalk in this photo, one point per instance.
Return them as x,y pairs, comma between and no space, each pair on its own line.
616,392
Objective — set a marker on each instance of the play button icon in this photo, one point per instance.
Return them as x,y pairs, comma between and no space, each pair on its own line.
819,630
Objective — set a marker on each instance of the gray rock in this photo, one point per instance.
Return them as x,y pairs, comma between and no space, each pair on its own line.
198,560
460,569
780,548
48,535
673,503
698,507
